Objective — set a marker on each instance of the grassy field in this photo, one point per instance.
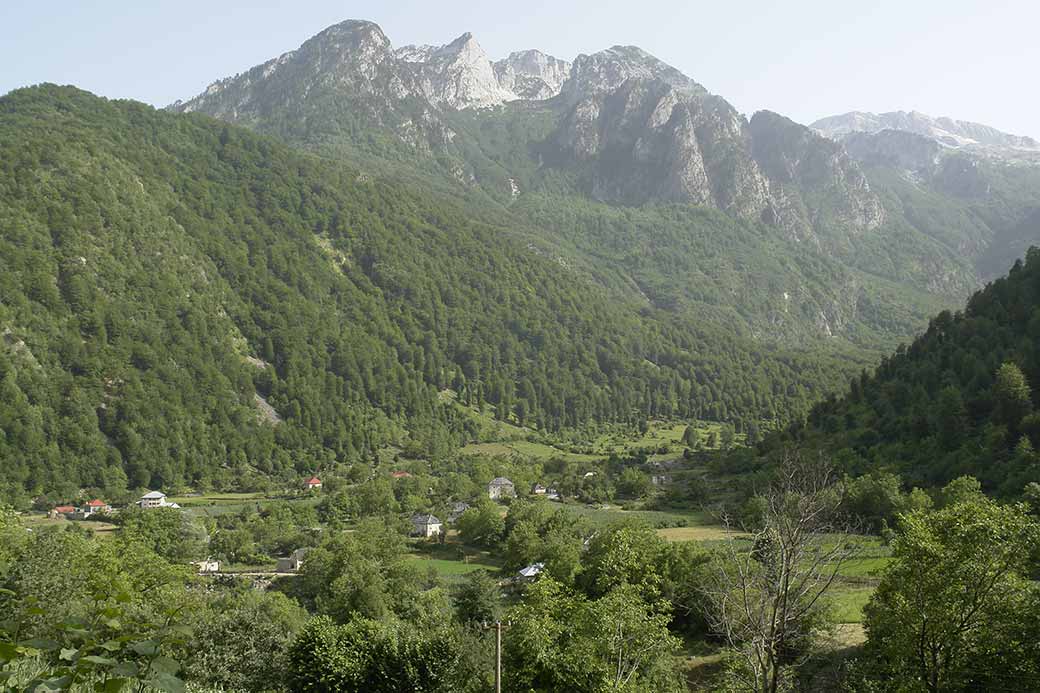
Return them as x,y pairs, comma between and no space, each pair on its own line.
101,529
213,504
848,602
451,561
700,533
608,514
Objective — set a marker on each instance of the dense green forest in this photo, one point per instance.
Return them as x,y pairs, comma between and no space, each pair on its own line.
185,302
959,400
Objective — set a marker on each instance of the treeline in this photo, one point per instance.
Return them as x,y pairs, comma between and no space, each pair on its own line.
959,401
167,277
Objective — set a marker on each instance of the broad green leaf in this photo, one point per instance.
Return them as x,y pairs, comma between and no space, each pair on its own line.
146,648
100,661
114,685
165,664
125,669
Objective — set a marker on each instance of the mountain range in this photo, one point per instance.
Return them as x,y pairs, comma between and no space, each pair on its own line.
898,224
411,229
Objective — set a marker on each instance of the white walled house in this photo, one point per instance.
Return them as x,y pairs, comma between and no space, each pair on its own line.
426,526
155,499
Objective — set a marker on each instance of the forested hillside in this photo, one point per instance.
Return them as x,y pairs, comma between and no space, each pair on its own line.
958,401
168,277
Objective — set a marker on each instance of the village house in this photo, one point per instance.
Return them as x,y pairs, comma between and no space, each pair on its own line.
400,475
426,526
313,484
155,499
501,487
292,563
96,506
207,566
456,511
539,490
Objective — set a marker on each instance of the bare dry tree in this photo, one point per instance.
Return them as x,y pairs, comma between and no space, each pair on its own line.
764,600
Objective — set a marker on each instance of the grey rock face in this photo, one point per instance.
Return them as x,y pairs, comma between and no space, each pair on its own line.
604,72
820,169
532,75
897,149
458,75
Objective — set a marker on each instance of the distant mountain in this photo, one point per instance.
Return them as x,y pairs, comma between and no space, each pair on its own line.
946,131
627,127
585,157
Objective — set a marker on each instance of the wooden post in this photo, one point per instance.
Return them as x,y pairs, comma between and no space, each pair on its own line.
498,657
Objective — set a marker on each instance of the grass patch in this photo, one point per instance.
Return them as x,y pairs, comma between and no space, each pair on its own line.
847,603
101,530
700,533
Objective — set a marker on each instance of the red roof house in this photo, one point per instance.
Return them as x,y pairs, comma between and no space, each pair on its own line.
64,509
401,475
313,483
98,506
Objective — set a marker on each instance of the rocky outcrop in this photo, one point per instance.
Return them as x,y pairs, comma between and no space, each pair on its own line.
532,75
833,189
458,75
648,132
905,151
603,72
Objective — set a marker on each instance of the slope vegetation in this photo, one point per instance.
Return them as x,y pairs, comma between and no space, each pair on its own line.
184,301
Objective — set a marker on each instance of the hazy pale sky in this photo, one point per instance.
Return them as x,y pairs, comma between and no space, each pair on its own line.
968,59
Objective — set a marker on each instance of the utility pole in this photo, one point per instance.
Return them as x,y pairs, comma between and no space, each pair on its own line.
498,657
498,626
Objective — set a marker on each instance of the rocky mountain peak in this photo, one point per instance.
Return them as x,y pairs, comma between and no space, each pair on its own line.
607,70
532,74
458,74
354,32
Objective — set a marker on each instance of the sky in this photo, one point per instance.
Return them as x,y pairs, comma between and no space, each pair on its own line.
966,59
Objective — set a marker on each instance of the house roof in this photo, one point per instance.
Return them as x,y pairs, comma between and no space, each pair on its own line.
314,480
65,509
425,519
532,570
400,475
97,503
500,481
153,495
